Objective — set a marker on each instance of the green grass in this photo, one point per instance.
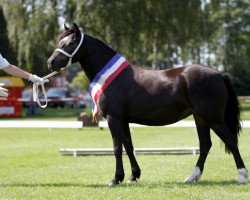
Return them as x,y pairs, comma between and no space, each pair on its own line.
245,111
59,114
32,168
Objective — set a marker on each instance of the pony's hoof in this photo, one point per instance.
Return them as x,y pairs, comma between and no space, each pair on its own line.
195,177
131,181
243,176
113,183
192,179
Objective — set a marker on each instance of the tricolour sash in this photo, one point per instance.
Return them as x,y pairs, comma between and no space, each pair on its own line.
103,79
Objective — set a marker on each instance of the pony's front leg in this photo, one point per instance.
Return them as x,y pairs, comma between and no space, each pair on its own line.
128,145
116,129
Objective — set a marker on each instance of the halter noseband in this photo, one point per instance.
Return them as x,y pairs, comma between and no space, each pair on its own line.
74,52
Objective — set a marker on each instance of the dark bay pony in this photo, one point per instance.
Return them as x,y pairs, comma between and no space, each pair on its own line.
158,97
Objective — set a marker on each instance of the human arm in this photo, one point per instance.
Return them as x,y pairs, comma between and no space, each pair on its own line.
15,71
18,72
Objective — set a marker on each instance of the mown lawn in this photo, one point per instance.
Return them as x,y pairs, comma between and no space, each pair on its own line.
32,168
245,111
61,114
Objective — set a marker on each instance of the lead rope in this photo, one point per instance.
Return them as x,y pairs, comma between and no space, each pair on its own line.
36,87
44,80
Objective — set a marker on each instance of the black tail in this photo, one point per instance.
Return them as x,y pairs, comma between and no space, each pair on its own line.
232,112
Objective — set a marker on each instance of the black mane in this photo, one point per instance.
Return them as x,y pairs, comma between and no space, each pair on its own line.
96,55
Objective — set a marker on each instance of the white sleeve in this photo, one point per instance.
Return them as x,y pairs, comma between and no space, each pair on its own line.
3,62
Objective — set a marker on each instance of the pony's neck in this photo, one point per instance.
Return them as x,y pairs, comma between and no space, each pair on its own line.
96,54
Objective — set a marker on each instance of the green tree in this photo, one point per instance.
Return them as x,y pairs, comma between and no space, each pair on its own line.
32,29
5,47
150,33
80,81
231,20
154,34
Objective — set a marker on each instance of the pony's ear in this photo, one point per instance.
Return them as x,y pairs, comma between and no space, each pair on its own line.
76,28
65,27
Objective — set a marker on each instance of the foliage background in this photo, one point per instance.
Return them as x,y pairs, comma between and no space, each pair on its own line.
154,34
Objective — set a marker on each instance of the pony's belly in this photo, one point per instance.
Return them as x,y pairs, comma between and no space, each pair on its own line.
160,118
152,123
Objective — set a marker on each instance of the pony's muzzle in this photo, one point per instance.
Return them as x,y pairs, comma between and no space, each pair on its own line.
50,63
53,64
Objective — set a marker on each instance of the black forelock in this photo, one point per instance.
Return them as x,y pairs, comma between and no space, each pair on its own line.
66,33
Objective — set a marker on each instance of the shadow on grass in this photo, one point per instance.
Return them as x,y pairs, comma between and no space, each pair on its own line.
139,184
166,184
33,185
218,183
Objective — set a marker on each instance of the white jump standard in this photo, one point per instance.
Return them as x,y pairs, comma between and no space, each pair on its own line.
137,151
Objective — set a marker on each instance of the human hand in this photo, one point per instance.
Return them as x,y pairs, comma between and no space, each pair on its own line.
34,78
3,91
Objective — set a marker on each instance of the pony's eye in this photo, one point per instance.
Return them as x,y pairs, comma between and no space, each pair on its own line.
63,45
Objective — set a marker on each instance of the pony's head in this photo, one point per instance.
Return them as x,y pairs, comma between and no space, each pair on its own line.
67,48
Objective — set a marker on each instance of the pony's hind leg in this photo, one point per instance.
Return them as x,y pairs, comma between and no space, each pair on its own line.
205,145
231,143
128,145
